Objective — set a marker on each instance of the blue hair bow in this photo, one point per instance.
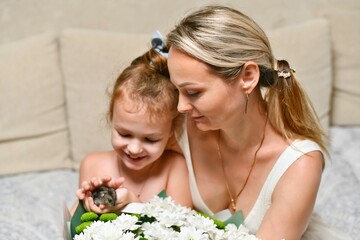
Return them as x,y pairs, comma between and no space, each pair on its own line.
158,44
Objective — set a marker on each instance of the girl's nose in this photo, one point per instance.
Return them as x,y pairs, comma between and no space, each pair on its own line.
134,147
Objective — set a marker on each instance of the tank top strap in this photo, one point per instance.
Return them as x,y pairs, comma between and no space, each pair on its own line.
286,159
293,152
198,202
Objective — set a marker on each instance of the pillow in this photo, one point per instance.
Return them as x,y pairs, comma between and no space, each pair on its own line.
92,60
33,127
345,34
306,47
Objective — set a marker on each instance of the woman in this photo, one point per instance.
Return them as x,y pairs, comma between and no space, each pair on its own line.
252,140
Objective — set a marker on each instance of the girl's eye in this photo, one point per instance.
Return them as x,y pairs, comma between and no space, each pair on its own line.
124,135
150,140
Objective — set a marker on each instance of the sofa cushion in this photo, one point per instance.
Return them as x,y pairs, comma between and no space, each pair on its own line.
92,60
33,126
345,34
306,47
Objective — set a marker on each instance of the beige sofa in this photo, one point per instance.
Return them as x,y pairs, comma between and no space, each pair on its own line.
58,59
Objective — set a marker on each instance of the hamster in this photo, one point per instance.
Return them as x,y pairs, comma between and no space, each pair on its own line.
104,195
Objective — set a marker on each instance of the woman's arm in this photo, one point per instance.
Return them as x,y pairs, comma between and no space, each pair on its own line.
293,199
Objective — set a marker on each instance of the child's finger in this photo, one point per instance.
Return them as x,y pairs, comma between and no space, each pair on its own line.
106,179
116,183
96,182
80,193
86,186
98,209
88,201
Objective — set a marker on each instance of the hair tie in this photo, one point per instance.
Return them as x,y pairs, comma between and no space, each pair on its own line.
284,74
158,44
283,69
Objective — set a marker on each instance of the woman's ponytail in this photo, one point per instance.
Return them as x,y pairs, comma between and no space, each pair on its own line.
289,108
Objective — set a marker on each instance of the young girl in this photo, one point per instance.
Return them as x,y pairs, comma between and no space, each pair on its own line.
143,118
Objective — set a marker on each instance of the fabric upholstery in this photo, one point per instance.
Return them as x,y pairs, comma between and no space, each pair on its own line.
307,48
91,62
346,63
33,125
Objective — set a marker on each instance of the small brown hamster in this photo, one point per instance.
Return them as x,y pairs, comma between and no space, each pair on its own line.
104,195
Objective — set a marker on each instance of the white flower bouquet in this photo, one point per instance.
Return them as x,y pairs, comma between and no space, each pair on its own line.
162,218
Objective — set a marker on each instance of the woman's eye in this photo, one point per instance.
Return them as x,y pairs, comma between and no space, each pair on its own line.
192,93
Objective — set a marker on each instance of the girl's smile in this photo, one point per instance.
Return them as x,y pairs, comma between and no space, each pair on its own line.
138,138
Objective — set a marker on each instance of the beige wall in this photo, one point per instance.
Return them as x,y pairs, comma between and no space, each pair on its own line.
21,18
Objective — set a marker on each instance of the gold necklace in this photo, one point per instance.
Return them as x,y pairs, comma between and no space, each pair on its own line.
234,199
144,183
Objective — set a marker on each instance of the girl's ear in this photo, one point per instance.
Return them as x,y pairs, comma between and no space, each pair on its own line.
249,76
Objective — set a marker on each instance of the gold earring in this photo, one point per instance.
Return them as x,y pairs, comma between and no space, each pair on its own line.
246,103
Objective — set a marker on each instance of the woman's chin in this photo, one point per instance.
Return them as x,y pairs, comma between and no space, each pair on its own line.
202,126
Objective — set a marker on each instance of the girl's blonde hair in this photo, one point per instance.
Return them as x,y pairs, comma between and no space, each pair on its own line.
225,39
146,82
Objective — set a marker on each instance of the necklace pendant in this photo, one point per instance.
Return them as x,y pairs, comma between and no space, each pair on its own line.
233,205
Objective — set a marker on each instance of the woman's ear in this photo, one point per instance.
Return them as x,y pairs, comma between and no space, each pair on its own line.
249,76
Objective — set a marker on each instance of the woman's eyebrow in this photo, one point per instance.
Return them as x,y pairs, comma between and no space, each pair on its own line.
186,84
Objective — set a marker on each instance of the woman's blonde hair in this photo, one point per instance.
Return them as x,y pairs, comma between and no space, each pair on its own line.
146,82
225,39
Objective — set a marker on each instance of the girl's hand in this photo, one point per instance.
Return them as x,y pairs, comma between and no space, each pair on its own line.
95,182
123,195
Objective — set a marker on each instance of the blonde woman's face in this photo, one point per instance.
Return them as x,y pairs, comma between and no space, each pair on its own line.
138,140
208,100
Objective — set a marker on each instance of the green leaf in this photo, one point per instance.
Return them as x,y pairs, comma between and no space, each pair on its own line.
76,218
146,218
236,219
163,194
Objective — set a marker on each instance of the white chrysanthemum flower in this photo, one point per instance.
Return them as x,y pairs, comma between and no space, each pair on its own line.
238,233
171,221
192,233
157,230
90,230
167,212
201,222
126,222
82,236
108,231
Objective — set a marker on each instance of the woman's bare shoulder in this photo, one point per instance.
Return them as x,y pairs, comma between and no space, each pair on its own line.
304,174
309,163
294,197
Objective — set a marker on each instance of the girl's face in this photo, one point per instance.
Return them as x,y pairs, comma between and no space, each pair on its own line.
207,99
137,139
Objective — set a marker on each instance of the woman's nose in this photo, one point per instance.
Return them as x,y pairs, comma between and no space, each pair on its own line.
183,105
